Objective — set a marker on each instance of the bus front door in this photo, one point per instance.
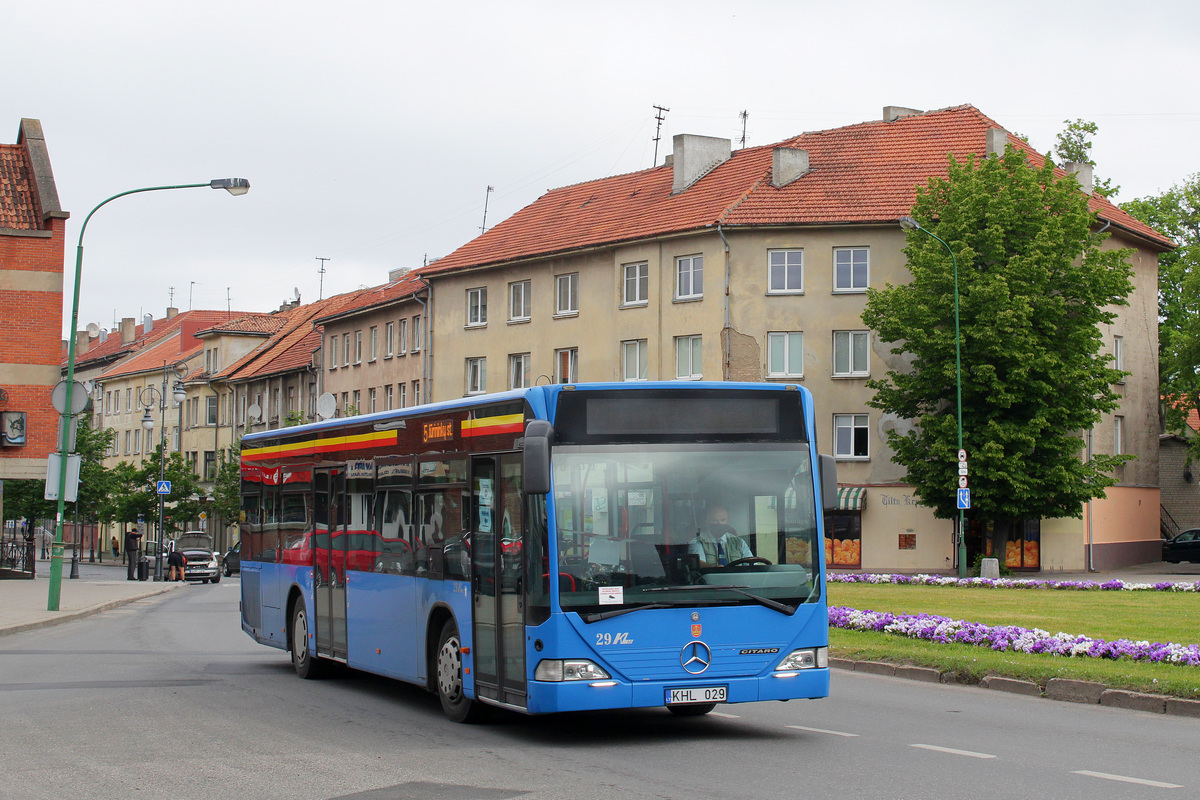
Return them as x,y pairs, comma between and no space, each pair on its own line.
329,567
497,579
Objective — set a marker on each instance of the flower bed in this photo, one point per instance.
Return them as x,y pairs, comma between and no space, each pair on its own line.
933,628
1011,583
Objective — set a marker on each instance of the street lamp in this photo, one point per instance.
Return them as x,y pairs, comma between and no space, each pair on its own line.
147,397
236,187
910,224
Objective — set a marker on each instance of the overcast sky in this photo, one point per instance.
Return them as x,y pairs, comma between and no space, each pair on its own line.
370,130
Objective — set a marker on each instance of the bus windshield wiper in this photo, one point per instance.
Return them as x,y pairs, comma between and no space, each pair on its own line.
774,605
590,618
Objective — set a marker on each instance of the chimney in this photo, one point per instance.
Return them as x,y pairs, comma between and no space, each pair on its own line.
1082,173
997,139
171,312
128,330
147,324
695,156
81,342
398,273
787,164
893,113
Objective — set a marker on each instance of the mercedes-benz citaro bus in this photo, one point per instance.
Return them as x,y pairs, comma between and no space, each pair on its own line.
550,549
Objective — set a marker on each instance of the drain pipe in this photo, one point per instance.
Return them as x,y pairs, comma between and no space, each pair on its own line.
1091,562
725,347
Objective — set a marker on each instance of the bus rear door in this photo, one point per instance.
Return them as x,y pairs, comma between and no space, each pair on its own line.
497,582
329,567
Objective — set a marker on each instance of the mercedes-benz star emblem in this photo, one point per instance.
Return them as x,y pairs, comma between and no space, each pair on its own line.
695,657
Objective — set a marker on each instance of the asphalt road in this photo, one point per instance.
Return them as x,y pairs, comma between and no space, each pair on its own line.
167,698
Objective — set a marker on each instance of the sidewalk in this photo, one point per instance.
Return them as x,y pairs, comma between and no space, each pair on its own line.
23,602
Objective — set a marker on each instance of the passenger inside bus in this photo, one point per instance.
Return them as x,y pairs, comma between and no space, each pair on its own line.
718,544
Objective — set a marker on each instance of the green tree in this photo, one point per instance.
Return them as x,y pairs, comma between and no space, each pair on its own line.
227,488
95,481
1176,213
135,491
1032,375
1075,144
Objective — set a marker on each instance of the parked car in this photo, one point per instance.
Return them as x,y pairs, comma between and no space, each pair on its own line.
1184,546
232,561
203,563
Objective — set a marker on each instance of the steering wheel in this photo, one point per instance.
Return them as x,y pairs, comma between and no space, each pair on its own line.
750,560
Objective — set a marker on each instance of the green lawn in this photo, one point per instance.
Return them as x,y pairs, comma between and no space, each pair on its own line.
1152,616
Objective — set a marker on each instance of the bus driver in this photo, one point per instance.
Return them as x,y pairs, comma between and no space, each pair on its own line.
718,544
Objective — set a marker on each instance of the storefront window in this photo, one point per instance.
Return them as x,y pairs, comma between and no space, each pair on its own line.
843,539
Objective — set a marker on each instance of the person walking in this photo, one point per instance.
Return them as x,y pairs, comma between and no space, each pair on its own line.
116,547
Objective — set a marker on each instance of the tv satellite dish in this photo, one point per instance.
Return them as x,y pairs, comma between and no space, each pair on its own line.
326,406
254,412
93,330
296,293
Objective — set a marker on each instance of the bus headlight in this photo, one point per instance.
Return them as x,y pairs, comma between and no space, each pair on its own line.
807,658
569,669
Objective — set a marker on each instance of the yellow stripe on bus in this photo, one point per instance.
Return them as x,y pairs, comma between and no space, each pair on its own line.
356,442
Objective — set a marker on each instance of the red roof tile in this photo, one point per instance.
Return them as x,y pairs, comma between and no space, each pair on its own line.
250,323
18,203
190,321
864,173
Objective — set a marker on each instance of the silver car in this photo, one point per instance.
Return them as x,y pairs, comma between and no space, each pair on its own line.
203,563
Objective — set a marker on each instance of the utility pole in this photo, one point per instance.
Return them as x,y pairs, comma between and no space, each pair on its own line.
744,115
658,130
228,302
483,227
321,274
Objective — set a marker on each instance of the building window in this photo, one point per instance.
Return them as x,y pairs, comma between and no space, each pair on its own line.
850,435
687,358
785,354
333,362
346,403
637,285
416,334
389,332
358,347
785,271
128,434
1118,435
387,397
851,269
373,344
633,360
210,465
346,348
851,353
371,400
416,393
518,371
689,277
137,440
129,399
476,375
567,294
1119,355
518,301
210,410
358,409
477,306
402,338
566,365
401,394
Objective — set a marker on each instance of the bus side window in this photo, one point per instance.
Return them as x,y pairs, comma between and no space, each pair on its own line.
392,515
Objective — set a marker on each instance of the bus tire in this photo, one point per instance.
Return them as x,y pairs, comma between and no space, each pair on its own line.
307,665
455,703
697,710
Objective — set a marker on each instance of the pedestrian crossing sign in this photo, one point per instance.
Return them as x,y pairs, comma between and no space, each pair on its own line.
164,487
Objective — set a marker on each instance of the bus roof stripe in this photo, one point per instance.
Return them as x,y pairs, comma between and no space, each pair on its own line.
356,442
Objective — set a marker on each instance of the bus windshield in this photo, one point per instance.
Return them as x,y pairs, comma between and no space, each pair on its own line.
685,524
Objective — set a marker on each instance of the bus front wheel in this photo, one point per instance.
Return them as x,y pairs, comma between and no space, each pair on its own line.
307,665
455,703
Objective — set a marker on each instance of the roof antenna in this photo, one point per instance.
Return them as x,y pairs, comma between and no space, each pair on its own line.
483,227
744,115
191,285
321,272
658,130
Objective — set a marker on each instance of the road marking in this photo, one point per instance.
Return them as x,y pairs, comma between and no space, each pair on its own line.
821,730
952,751
726,716
1126,779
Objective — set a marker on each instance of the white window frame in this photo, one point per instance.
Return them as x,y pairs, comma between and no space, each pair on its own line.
634,360
358,346
845,346
1118,435
346,349
373,343
571,354
783,348
519,305
689,358
388,397
1119,355
416,337
848,255
389,336
850,425
402,393
691,267
569,305
416,384
783,259
371,400
477,307
518,370
402,338
477,375
635,284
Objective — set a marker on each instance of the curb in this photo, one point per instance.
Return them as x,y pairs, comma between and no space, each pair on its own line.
70,616
1061,689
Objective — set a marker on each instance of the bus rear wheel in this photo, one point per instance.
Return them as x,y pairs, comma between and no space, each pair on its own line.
697,710
455,703
307,665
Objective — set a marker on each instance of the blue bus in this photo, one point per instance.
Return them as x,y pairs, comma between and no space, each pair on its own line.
552,549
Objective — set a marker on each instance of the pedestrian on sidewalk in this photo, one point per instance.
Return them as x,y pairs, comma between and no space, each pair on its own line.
116,546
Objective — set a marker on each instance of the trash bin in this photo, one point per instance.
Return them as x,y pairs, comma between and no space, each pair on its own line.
143,569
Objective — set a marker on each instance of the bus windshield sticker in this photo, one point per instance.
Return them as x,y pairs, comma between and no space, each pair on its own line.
612,595
360,468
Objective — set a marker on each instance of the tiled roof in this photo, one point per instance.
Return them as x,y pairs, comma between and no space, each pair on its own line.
112,347
1193,420
374,296
165,350
864,173
265,324
18,204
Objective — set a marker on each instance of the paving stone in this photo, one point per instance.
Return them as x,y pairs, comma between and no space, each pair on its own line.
875,667
1138,701
1183,708
928,674
1013,685
1074,691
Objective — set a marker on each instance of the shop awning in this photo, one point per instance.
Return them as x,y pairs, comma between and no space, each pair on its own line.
850,498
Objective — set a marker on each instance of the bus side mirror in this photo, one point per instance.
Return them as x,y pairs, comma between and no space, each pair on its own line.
535,477
828,482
